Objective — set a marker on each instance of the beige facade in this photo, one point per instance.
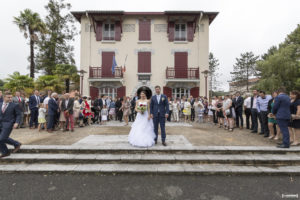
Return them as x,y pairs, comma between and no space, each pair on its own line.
162,51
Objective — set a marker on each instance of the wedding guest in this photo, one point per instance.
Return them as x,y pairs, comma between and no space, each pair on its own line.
272,124
112,109
133,102
87,112
213,109
104,115
52,112
254,113
62,119
42,116
281,109
262,108
34,102
170,109
220,112
126,109
238,102
227,108
17,99
76,109
199,110
9,119
247,108
187,110
176,108
119,111
1,97
295,123
67,109
26,110
210,113
192,108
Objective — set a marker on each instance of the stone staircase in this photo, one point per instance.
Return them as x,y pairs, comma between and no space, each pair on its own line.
173,159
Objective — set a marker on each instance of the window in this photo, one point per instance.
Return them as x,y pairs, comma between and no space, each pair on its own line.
145,30
112,92
144,62
180,32
109,32
180,92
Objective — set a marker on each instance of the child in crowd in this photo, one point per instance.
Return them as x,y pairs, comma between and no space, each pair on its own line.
104,115
42,116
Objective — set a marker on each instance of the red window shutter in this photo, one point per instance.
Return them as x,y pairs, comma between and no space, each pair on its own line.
144,62
98,31
195,92
107,59
145,30
121,91
167,91
94,92
171,29
118,31
181,64
190,31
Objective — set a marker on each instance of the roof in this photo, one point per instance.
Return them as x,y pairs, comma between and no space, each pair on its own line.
251,80
78,14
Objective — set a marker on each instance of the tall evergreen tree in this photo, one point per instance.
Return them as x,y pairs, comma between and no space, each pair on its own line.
31,25
244,68
55,47
213,74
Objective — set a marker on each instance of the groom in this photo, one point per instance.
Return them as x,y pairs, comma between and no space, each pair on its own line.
159,110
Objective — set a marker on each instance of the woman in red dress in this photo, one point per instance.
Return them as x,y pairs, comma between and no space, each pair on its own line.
87,113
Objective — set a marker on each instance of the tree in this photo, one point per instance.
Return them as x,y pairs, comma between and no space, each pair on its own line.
50,82
213,75
31,25
244,68
67,73
55,47
18,82
2,83
281,66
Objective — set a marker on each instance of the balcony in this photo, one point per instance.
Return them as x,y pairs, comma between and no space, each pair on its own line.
182,73
99,73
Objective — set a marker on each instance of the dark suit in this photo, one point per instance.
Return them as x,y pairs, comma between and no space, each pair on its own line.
52,113
133,113
281,109
238,106
34,102
21,102
1,99
254,115
159,110
69,108
192,110
11,115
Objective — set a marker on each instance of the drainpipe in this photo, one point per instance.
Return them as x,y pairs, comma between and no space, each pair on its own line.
198,57
87,15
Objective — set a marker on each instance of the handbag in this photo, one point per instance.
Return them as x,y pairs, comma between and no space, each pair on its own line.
227,112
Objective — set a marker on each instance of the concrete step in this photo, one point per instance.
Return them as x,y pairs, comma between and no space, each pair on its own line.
206,169
127,149
236,159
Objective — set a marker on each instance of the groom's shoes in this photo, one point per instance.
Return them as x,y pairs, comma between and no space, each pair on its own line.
164,144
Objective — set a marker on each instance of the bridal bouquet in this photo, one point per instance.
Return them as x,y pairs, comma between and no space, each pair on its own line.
142,108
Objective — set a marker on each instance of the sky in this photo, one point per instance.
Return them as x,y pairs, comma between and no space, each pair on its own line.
241,26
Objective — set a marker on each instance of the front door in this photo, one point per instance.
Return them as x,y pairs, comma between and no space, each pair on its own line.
181,64
107,60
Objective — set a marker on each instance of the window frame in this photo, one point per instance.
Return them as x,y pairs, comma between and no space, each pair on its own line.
183,39
110,36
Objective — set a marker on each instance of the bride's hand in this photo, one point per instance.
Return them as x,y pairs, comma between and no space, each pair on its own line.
149,117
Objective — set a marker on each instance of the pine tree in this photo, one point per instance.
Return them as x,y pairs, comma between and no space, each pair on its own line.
244,68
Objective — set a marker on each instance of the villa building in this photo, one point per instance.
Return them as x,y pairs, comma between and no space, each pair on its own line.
169,49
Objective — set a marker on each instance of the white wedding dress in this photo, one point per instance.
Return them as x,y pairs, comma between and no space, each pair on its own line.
142,131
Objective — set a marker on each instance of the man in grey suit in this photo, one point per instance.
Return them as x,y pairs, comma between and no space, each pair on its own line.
17,99
67,107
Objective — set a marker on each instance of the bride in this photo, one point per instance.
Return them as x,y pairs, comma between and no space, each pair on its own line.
142,131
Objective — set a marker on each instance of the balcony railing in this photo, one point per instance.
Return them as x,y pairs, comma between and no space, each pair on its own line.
98,72
182,73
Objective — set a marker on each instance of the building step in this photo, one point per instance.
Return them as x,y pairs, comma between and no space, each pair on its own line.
126,149
206,169
236,159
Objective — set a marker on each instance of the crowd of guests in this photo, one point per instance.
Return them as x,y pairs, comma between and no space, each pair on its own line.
51,111
277,115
